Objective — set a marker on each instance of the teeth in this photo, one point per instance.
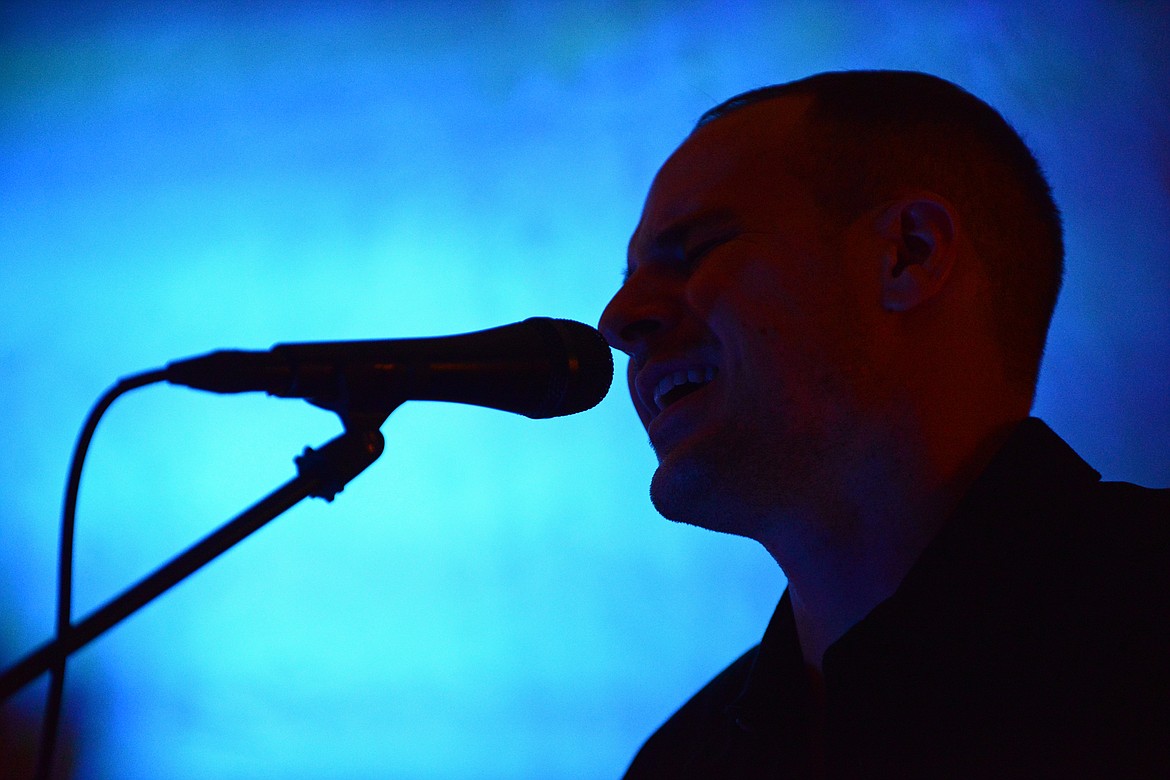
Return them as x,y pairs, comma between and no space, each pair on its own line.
694,376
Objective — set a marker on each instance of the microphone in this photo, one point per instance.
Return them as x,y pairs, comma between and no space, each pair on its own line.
539,368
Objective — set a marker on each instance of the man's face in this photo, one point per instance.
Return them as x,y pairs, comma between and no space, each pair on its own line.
744,323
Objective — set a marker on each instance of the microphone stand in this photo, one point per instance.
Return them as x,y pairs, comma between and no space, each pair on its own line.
321,473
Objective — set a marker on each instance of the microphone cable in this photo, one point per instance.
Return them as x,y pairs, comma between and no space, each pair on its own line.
64,623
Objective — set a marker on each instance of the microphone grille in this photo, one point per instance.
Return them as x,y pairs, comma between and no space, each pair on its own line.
587,369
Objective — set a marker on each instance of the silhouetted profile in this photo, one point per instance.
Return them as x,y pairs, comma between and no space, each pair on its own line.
836,305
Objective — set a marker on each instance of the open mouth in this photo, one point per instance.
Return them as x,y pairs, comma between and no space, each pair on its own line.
679,384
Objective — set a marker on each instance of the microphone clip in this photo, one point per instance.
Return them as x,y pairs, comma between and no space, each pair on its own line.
331,467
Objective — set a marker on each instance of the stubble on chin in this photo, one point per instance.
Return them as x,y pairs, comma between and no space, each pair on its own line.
678,492
735,485
704,490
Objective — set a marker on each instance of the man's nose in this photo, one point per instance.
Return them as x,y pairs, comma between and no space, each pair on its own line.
632,317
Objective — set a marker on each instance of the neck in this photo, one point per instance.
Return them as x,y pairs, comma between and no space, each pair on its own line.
850,549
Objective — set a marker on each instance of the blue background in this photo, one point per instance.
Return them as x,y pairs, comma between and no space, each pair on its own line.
495,597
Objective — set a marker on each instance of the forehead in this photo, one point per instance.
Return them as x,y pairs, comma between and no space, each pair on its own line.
734,169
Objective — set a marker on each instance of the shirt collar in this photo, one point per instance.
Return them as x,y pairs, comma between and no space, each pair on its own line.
776,692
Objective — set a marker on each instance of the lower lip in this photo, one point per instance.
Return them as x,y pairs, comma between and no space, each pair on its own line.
674,416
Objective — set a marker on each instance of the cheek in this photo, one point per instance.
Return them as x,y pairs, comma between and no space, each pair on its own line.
754,297
779,328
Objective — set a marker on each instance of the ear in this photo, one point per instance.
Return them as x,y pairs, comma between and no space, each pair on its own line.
919,236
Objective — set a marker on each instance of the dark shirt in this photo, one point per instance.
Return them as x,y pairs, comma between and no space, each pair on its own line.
1030,639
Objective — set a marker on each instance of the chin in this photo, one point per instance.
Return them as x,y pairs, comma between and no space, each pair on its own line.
723,489
687,492
673,488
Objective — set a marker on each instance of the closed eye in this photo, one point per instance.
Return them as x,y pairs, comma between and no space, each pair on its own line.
674,245
698,252
693,255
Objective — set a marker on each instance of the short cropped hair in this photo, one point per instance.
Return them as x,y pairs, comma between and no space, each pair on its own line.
872,135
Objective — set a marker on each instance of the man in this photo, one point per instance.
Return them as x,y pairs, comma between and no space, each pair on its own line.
835,308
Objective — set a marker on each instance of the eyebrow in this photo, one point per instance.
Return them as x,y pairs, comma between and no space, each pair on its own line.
677,233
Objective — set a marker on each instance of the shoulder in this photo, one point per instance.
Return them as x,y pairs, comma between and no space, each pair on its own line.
697,729
1118,528
1096,550
1039,495
1121,533
1148,507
